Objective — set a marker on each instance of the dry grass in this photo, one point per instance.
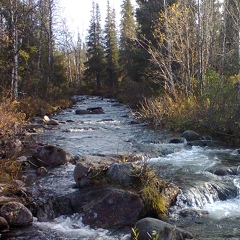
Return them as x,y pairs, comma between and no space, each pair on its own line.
30,106
9,169
168,113
218,115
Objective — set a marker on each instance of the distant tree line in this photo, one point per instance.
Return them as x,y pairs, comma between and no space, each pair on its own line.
162,46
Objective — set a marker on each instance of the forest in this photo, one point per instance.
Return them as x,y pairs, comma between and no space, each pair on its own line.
176,61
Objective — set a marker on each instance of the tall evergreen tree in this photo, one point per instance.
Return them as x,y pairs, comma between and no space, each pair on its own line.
111,49
147,15
95,52
127,37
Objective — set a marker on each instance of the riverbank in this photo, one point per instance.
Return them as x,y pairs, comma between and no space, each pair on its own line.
221,122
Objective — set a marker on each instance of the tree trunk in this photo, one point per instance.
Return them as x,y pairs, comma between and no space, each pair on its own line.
200,50
170,85
16,48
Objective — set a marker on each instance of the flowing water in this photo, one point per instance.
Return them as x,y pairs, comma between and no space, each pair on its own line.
208,206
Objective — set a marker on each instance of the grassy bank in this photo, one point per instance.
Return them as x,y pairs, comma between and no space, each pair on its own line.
218,117
13,115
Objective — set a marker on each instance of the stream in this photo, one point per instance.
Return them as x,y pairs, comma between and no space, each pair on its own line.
208,205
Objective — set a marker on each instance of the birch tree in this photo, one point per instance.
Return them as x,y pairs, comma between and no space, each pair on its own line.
14,15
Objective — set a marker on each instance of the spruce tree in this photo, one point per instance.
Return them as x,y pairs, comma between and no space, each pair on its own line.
147,15
95,52
111,49
127,37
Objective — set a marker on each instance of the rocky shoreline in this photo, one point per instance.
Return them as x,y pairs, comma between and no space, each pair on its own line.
109,191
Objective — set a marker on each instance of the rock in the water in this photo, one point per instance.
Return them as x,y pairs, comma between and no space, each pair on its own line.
91,169
3,225
171,192
117,208
95,110
16,214
190,135
53,122
223,171
191,213
80,174
51,156
178,140
122,173
151,228
82,111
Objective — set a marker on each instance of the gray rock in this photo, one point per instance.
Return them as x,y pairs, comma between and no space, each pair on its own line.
51,156
53,122
178,140
117,208
92,169
190,135
223,171
82,111
95,110
122,174
80,174
158,229
191,213
171,192
90,172
16,214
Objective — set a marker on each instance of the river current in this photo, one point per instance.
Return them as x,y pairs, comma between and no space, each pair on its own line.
208,206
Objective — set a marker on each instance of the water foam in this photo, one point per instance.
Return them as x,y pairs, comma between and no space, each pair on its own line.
72,227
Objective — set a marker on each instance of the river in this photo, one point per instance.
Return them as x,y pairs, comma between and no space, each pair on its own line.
208,205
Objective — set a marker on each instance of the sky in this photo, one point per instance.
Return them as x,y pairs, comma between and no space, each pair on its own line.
78,12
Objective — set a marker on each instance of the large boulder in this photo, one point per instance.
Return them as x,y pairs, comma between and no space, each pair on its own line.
113,194
51,156
91,170
122,173
117,208
151,228
16,214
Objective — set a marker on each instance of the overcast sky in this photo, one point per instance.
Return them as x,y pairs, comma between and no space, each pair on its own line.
78,12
